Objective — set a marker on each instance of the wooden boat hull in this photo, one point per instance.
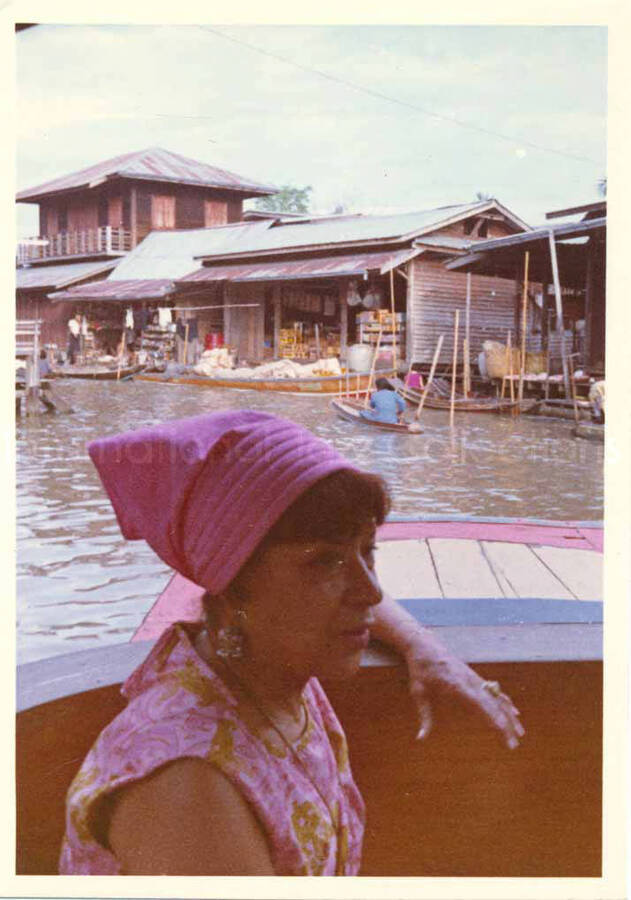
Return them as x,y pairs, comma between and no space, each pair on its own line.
589,430
352,412
433,804
100,374
326,385
462,404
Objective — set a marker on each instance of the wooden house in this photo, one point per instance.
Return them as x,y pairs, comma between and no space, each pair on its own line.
319,271
89,220
567,261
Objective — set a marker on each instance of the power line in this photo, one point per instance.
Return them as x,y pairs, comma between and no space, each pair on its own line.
413,106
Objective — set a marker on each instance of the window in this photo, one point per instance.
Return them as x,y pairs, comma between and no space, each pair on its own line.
162,212
215,213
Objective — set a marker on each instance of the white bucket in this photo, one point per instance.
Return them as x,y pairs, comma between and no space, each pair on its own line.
359,358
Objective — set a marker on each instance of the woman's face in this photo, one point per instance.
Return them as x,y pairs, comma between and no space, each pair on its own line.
308,605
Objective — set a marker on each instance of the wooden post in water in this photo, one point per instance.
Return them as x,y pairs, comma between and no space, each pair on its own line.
454,371
372,369
524,310
430,377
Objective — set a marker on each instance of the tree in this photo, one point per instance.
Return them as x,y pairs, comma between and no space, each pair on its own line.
289,199
481,195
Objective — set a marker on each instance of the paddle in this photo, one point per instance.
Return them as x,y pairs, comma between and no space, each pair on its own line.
430,378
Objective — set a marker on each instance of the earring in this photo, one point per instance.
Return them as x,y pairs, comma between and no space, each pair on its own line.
230,643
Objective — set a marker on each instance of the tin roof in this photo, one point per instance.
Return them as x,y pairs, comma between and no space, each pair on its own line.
154,164
32,278
356,264
136,289
332,230
172,254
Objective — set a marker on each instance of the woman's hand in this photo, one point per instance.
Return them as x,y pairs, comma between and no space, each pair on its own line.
434,671
443,674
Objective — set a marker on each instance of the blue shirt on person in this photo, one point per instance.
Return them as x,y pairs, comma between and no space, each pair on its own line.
386,406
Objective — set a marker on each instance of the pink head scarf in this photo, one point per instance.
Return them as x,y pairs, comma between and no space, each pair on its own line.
203,492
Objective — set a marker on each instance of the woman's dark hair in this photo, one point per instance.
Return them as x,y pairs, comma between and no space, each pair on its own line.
382,384
334,508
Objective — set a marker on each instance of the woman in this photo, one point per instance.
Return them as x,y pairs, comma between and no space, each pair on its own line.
386,404
228,759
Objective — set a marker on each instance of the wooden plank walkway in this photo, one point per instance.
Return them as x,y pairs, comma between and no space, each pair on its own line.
456,567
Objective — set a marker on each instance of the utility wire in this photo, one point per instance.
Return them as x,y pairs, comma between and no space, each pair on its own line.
413,106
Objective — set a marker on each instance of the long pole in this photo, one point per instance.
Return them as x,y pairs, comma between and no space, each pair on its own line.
467,337
431,376
510,367
372,369
573,384
559,310
185,343
317,339
452,404
120,356
524,310
394,325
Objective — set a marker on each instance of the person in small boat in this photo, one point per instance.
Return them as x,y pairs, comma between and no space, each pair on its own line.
228,758
386,405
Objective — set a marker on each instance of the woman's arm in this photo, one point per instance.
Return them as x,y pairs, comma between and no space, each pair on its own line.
432,667
187,819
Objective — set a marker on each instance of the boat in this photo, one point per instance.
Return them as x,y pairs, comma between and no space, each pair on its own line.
592,431
351,410
98,373
441,400
431,805
356,383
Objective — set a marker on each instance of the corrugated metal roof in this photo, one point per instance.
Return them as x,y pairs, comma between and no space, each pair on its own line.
171,254
30,278
136,289
154,164
318,267
311,233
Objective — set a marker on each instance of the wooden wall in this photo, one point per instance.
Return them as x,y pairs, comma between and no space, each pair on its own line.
244,328
54,316
83,208
436,293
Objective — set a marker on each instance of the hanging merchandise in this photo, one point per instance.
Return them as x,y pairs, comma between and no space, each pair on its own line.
373,299
129,319
353,297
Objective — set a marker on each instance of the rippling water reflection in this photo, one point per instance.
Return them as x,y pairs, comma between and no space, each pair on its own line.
81,585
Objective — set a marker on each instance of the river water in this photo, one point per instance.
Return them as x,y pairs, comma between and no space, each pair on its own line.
80,585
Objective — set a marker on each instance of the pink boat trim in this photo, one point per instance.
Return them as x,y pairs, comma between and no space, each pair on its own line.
181,599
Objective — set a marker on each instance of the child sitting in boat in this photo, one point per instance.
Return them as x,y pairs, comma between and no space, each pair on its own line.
386,405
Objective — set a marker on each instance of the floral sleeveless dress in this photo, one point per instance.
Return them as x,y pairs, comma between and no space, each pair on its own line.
179,707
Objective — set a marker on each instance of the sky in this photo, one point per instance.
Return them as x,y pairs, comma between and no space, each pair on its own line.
401,118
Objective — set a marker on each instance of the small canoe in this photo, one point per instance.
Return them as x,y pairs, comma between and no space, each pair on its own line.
351,410
98,373
590,430
435,400
356,383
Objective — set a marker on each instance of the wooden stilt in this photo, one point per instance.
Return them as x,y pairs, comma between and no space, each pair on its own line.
509,348
467,336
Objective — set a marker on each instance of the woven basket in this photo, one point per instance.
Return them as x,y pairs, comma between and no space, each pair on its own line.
497,361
